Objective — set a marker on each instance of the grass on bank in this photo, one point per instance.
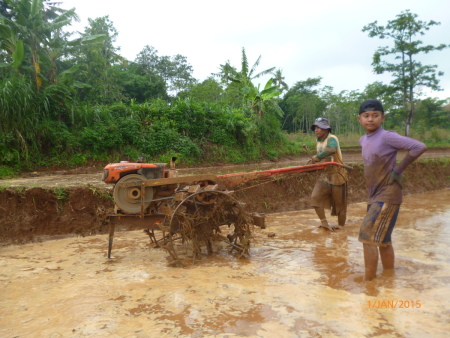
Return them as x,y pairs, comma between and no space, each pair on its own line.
433,138
216,154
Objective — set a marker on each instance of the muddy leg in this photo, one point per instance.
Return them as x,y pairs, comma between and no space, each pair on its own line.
387,257
209,247
321,214
340,200
341,221
370,261
342,217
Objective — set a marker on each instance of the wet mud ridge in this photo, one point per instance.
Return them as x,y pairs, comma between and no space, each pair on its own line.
65,207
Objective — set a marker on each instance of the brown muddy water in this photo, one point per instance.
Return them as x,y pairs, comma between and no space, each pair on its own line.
299,281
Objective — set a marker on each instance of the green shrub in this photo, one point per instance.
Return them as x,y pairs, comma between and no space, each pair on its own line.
7,172
271,155
220,136
61,193
77,159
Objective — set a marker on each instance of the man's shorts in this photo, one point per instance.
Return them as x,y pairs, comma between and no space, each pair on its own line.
329,196
379,223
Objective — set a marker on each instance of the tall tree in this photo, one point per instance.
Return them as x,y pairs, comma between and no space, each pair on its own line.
301,105
431,113
225,73
408,73
178,74
207,91
175,70
148,60
139,85
96,63
278,80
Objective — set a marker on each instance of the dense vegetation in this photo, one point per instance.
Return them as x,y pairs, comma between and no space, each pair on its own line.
68,101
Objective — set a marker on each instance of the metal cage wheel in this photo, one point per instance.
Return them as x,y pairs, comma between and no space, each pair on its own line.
198,224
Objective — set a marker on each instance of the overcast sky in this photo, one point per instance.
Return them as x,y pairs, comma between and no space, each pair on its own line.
305,39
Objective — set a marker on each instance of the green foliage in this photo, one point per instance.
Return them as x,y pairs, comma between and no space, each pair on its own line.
7,172
21,113
209,91
138,85
433,137
221,137
163,140
272,155
77,160
189,117
61,193
301,105
96,61
262,101
175,70
102,193
56,137
431,112
69,102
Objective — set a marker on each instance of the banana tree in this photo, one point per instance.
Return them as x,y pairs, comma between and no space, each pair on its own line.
35,26
13,46
263,101
245,76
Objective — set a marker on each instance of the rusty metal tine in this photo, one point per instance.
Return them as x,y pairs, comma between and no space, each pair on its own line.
112,227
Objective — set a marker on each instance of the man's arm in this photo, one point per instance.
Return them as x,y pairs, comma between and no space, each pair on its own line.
330,149
415,149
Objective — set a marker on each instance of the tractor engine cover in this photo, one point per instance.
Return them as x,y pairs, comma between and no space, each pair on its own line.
113,172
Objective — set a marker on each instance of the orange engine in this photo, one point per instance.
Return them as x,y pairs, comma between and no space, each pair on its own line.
113,172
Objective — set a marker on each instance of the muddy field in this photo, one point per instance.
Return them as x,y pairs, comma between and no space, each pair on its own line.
298,281
52,205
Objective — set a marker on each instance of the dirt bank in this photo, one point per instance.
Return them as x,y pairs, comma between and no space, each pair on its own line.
57,206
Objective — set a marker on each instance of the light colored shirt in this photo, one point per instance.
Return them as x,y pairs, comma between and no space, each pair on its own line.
327,147
379,153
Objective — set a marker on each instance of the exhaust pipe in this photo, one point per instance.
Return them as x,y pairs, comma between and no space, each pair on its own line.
173,172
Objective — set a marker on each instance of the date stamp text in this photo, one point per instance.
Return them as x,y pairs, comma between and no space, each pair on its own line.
394,304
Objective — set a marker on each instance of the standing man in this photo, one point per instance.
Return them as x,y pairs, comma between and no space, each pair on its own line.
330,191
384,184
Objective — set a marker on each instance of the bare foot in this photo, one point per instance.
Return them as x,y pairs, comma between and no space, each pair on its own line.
359,279
369,279
326,227
338,227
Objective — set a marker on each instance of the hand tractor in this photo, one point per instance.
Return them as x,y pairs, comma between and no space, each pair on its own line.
191,211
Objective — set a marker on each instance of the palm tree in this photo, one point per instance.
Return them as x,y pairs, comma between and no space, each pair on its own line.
278,80
226,71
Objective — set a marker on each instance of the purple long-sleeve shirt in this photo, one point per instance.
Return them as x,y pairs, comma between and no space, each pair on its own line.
379,153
